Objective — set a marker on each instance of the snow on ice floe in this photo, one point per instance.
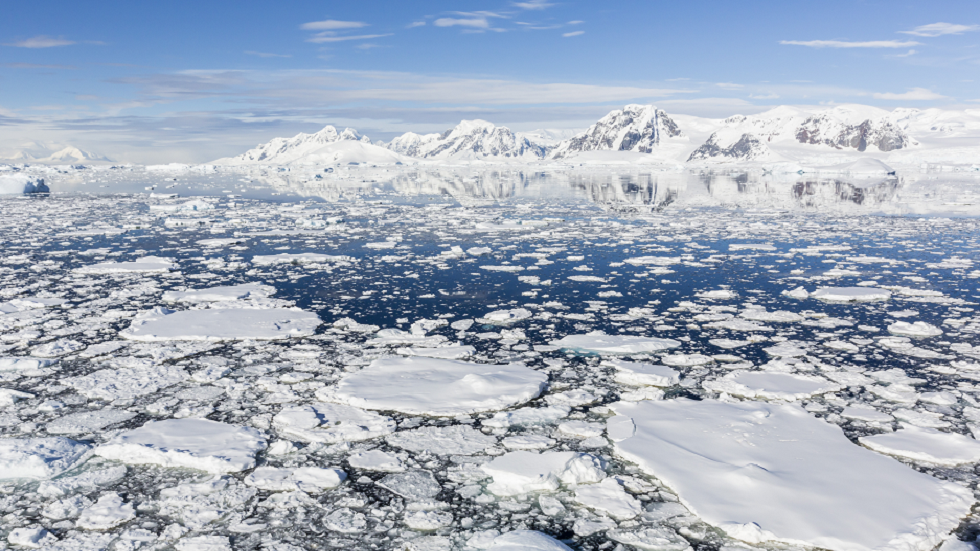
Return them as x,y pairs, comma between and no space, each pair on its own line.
526,540
221,294
39,458
433,386
189,443
926,444
331,423
84,422
614,344
222,324
311,480
771,386
522,472
146,264
451,440
298,258
918,329
850,294
772,472
25,363
376,460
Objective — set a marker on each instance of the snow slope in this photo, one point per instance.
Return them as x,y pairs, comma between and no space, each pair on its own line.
328,146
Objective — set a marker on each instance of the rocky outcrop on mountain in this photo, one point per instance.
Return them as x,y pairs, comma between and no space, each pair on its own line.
636,128
471,139
879,133
286,150
731,146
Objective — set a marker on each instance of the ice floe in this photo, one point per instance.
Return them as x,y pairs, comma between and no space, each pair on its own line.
331,423
223,325
851,294
771,386
926,444
521,472
39,458
614,344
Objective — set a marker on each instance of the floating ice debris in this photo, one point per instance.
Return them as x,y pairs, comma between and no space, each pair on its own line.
527,416
432,386
427,520
31,538
376,460
221,294
653,260
771,386
24,304
146,264
88,421
298,258
779,316
455,352
772,472
641,374
413,485
389,337
850,294
918,329
738,325
614,344
686,360
108,512
223,325
451,440
522,472
718,294
658,538
331,423
58,348
510,268
527,540
528,442
125,383
25,363
609,497
926,444
799,293
190,443
38,458
478,251
750,247
505,317
583,429
865,413
308,479
787,349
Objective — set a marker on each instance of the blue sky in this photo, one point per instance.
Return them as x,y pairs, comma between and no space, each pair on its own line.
193,81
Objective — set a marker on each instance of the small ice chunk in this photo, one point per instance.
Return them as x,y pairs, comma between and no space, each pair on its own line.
771,386
221,294
38,458
521,472
528,442
69,507
203,543
478,251
686,360
614,344
455,352
718,294
146,264
307,479
31,537
24,363
850,294
527,540
432,386
919,329
449,440
223,324
413,485
505,317
656,538
610,497
331,423
926,444
427,520
643,374
88,421
865,413
583,429
571,398
779,316
191,443
108,512
376,460
527,416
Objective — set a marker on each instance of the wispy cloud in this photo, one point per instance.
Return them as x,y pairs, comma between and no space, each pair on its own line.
915,94
729,85
41,42
846,44
415,24
770,95
910,53
324,38
35,66
534,5
573,33
332,25
939,29
475,22
265,55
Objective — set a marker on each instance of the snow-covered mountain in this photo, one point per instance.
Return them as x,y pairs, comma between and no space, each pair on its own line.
326,146
33,152
470,140
792,131
635,128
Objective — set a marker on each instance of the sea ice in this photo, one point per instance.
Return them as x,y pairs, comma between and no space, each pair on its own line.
24,363
432,386
521,472
88,421
221,294
926,444
376,460
772,472
331,423
311,480
850,294
108,512
771,386
643,374
146,264
614,344
450,440
38,458
223,324
527,540
610,497
191,443
918,329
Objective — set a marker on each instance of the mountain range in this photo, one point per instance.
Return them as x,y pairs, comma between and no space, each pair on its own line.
36,153
645,134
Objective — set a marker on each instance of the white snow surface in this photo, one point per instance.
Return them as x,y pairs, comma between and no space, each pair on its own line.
146,264
331,423
771,386
643,374
221,324
189,443
521,472
614,344
220,294
38,458
527,540
926,444
433,386
850,294
772,472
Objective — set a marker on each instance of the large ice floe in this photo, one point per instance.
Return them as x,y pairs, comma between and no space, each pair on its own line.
190,443
222,324
764,472
432,386
927,445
